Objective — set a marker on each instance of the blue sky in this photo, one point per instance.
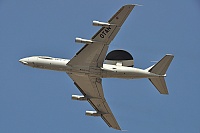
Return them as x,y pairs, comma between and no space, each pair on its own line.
37,101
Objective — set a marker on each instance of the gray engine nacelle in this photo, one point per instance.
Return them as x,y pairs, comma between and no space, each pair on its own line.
78,97
92,113
81,40
103,24
119,57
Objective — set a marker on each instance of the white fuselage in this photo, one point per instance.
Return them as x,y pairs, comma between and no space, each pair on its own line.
107,71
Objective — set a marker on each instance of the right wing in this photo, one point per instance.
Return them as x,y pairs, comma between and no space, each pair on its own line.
91,87
94,54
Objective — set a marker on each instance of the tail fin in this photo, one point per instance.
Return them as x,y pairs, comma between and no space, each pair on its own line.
160,68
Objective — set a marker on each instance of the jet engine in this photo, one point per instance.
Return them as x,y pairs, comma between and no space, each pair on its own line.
81,40
92,113
80,98
119,58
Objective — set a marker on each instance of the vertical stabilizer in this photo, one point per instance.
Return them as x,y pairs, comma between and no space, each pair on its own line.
160,68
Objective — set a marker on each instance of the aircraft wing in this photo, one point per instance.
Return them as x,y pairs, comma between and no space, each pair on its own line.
91,87
90,59
94,54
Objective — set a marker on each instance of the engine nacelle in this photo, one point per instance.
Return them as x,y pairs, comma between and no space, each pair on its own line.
97,23
80,40
92,113
78,97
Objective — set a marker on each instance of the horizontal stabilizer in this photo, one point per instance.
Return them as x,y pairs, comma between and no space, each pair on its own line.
160,84
161,67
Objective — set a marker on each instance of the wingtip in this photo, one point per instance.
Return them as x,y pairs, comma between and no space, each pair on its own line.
133,5
137,5
124,130
117,128
170,55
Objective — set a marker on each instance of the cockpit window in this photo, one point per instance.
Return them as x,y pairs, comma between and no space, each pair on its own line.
45,57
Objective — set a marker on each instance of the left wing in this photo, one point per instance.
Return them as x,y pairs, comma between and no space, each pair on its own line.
91,88
94,54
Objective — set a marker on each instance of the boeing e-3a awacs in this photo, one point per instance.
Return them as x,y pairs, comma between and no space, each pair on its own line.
91,64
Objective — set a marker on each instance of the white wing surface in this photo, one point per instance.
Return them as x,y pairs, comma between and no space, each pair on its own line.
94,54
90,58
91,87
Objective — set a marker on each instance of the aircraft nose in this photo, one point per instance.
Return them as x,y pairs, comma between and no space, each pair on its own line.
23,61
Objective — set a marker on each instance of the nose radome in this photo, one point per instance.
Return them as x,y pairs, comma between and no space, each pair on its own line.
23,61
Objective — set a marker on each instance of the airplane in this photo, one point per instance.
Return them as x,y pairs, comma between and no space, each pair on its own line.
91,63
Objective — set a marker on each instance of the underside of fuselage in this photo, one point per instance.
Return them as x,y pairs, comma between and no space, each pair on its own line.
107,71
